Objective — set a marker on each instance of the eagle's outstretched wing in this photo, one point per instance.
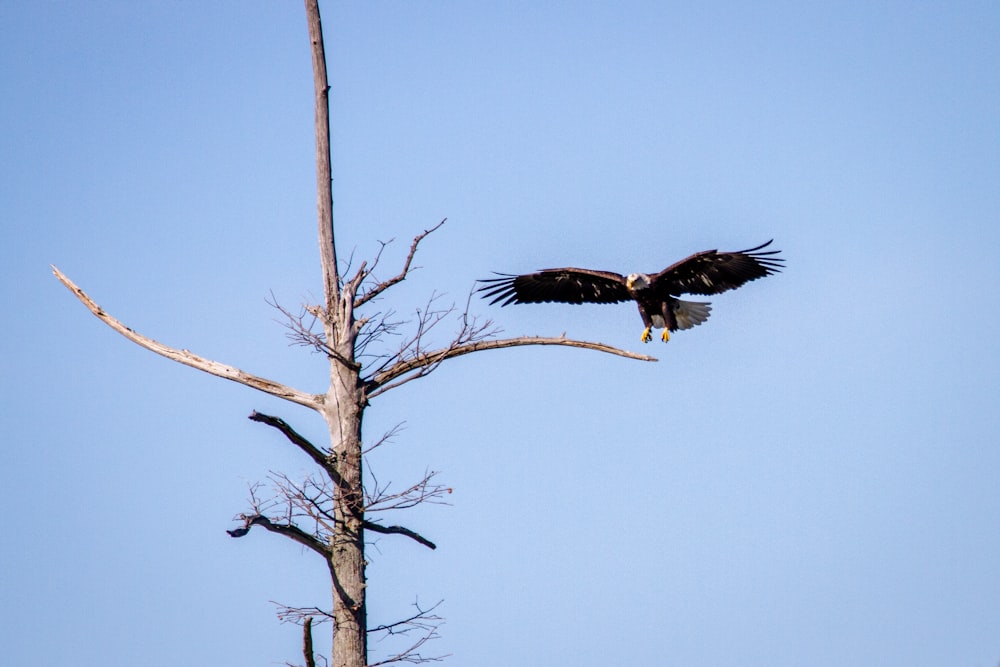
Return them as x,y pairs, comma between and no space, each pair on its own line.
713,272
567,285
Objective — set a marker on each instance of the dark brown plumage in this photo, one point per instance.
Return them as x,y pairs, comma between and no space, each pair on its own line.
708,272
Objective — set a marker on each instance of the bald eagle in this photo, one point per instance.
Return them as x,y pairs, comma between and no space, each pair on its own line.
708,272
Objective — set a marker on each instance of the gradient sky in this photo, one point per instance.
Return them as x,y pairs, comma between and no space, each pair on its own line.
812,477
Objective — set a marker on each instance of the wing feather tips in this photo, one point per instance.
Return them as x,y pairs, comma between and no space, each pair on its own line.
765,259
499,289
760,247
738,268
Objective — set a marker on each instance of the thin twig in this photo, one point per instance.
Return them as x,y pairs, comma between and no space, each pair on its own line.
288,614
386,437
380,500
424,621
302,333
422,618
310,499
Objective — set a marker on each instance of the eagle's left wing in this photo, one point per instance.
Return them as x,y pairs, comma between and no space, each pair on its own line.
713,272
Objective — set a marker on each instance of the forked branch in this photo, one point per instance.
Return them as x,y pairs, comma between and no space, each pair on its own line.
379,499
426,623
386,284
191,359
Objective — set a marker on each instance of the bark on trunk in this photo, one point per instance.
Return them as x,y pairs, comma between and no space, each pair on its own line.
344,407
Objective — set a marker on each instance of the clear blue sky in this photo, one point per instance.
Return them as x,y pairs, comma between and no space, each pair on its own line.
812,477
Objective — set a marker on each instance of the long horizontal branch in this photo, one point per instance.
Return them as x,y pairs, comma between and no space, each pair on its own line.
288,530
381,380
189,358
399,530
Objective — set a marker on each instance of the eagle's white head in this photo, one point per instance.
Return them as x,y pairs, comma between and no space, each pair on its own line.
637,281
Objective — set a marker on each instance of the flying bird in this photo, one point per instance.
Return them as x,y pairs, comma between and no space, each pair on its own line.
708,272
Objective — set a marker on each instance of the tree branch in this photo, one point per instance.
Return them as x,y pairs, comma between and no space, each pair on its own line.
399,530
314,452
420,619
324,174
193,360
288,530
390,378
288,614
380,500
424,621
384,285
302,333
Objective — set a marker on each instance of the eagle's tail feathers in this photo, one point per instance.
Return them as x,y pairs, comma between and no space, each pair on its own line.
691,313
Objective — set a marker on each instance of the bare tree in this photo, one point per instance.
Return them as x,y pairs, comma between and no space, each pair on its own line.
329,512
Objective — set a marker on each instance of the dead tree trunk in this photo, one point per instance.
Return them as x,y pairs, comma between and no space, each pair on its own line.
345,400
343,410
334,506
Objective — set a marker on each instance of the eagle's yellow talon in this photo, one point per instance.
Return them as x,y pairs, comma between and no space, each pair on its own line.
645,335
666,335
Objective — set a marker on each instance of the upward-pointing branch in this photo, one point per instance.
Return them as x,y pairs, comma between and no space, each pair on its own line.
191,359
324,174
381,287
